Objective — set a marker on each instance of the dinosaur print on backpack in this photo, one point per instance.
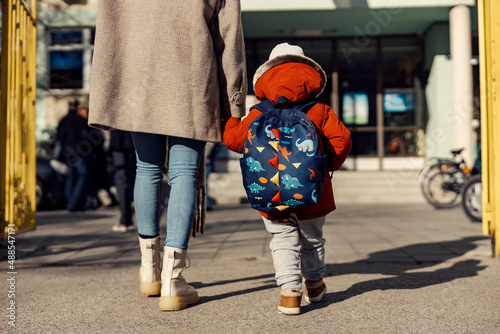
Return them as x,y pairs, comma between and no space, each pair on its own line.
282,164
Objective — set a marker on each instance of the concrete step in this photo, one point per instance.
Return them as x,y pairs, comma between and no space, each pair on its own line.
377,187
349,187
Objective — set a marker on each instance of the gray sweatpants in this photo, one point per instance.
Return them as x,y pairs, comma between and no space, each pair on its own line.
298,250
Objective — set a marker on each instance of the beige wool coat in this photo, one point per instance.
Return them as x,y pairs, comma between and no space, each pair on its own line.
168,67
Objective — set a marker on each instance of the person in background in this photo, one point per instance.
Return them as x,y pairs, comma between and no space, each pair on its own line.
97,190
76,154
122,151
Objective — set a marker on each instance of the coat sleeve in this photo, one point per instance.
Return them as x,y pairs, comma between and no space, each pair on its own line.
227,33
338,139
235,131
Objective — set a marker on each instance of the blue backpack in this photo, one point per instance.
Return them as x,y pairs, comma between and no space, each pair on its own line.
282,164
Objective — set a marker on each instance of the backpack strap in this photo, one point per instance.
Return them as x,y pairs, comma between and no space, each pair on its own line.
264,106
283,103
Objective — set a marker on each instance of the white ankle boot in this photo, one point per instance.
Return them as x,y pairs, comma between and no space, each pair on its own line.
176,294
149,274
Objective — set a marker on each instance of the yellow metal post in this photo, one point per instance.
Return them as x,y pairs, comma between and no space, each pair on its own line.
17,117
489,49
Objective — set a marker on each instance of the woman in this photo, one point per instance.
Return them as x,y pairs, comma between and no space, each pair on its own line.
167,68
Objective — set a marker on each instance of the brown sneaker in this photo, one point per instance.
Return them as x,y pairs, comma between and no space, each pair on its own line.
314,291
290,302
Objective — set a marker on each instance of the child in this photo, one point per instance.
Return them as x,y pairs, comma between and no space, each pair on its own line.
297,245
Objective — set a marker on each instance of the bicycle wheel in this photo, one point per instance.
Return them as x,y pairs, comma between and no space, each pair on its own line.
429,172
472,198
441,195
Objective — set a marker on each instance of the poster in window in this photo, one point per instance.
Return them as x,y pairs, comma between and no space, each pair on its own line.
355,108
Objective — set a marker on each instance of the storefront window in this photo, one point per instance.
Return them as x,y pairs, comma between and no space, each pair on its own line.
355,108
401,56
364,143
66,69
70,54
374,82
399,106
66,37
401,143
401,63
357,91
357,101
357,57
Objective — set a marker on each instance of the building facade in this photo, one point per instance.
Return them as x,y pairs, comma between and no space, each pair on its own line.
402,74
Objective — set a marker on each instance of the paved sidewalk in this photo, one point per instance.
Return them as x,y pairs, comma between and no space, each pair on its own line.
391,268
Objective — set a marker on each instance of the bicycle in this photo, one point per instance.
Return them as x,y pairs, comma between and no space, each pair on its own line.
472,197
442,181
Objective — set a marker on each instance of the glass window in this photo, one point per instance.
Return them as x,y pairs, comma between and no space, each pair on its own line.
399,107
401,64
401,143
358,101
68,51
355,108
263,50
66,69
357,65
401,55
357,57
66,37
364,143
320,50
257,53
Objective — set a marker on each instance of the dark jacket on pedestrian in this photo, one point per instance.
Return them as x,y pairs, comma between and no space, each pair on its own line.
71,134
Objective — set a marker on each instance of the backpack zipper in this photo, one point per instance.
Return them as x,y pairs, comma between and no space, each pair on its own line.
307,122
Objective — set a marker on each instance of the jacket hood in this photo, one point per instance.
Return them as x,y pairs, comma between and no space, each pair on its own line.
296,81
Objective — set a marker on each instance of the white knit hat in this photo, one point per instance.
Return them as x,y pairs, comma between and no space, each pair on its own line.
286,53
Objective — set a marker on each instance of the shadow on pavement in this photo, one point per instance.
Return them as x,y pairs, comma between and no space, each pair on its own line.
198,285
206,299
269,284
108,248
65,217
81,240
234,225
60,250
467,268
397,262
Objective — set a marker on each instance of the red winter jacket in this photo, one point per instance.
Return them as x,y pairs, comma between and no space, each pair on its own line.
297,82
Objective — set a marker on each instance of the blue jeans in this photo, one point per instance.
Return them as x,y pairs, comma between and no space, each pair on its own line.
184,159
76,180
